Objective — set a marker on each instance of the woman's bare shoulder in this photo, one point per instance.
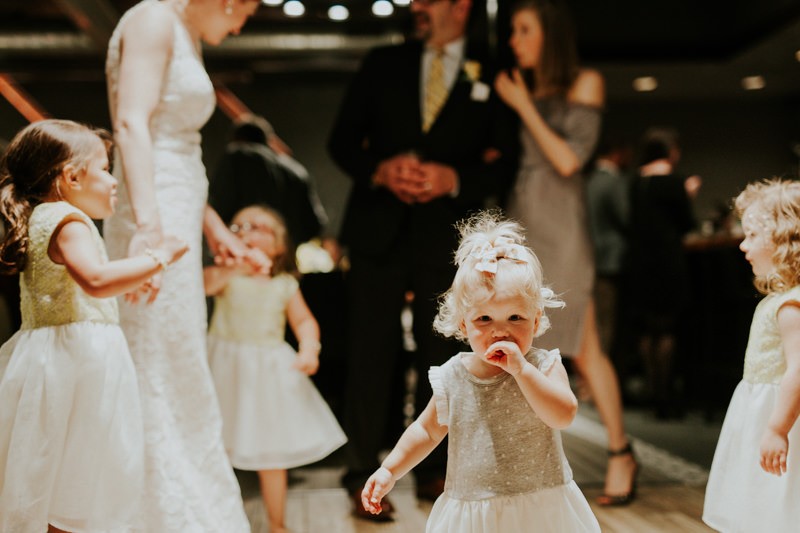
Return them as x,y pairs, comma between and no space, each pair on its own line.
588,88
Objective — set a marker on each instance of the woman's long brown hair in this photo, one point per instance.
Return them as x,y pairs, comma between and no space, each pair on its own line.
559,60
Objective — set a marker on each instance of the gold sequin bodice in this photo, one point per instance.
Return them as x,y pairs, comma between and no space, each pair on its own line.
764,361
253,309
48,294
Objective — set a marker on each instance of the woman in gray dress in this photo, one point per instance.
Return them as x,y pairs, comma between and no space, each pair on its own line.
560,118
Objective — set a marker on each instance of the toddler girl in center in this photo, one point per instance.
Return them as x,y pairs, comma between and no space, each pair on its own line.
754,483
502,403
71,445
273,416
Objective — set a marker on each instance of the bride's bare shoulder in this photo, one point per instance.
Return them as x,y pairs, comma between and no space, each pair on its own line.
153,21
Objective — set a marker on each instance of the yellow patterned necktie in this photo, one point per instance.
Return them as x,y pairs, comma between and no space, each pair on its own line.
435,91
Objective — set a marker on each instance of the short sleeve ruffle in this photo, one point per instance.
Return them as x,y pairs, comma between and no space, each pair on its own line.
439,395
48,216
288,285
790,297
545,359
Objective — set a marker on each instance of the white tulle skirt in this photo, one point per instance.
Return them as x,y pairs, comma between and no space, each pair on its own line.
272,415
554,510
740,496
71,444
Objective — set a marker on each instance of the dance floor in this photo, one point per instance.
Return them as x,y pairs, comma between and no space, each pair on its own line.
670,496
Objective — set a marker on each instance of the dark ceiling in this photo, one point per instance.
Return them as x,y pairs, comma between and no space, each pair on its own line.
698,41
675,30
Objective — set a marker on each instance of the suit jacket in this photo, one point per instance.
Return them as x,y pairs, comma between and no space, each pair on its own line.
607,205
251,173
380,117
661,214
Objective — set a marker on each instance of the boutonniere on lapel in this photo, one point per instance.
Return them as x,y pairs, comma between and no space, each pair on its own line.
471,72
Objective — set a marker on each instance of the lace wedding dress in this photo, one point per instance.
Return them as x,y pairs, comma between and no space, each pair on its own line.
189,483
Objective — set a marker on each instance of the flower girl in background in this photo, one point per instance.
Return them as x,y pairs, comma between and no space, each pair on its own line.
71,448
754,484
502,404
273,416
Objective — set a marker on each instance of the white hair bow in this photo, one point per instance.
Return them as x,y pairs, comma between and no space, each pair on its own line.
550,299
488,253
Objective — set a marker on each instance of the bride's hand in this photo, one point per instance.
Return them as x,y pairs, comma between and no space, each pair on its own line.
258,262
228,249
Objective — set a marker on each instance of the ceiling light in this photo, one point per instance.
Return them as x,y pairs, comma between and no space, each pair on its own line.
402,2
272,2
797,55
382,8
645,84
753,83
294,8
338,12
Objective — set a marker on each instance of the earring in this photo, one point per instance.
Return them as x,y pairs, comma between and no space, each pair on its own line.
229,7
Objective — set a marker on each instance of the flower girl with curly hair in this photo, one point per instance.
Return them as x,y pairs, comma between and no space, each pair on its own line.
754,482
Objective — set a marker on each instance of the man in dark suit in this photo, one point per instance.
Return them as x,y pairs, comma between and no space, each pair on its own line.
418,134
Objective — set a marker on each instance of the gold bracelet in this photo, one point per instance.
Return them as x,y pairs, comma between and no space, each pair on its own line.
160,261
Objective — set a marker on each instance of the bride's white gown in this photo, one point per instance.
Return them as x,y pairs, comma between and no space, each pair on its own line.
189,483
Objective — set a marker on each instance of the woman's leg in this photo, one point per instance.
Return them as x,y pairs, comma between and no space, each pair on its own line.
273,491
663,356
598,373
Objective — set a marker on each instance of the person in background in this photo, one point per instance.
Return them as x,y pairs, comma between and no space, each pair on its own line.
160,96
561,116
419,132
607,203
661,216
257,168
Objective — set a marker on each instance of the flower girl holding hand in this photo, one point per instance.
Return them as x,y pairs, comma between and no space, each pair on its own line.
273,416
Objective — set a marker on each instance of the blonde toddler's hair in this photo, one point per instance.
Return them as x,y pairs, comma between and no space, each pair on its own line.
778,204
520,272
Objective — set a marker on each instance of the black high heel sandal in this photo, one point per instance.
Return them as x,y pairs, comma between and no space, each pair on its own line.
616,500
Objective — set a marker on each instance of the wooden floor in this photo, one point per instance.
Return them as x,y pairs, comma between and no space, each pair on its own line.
670,496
